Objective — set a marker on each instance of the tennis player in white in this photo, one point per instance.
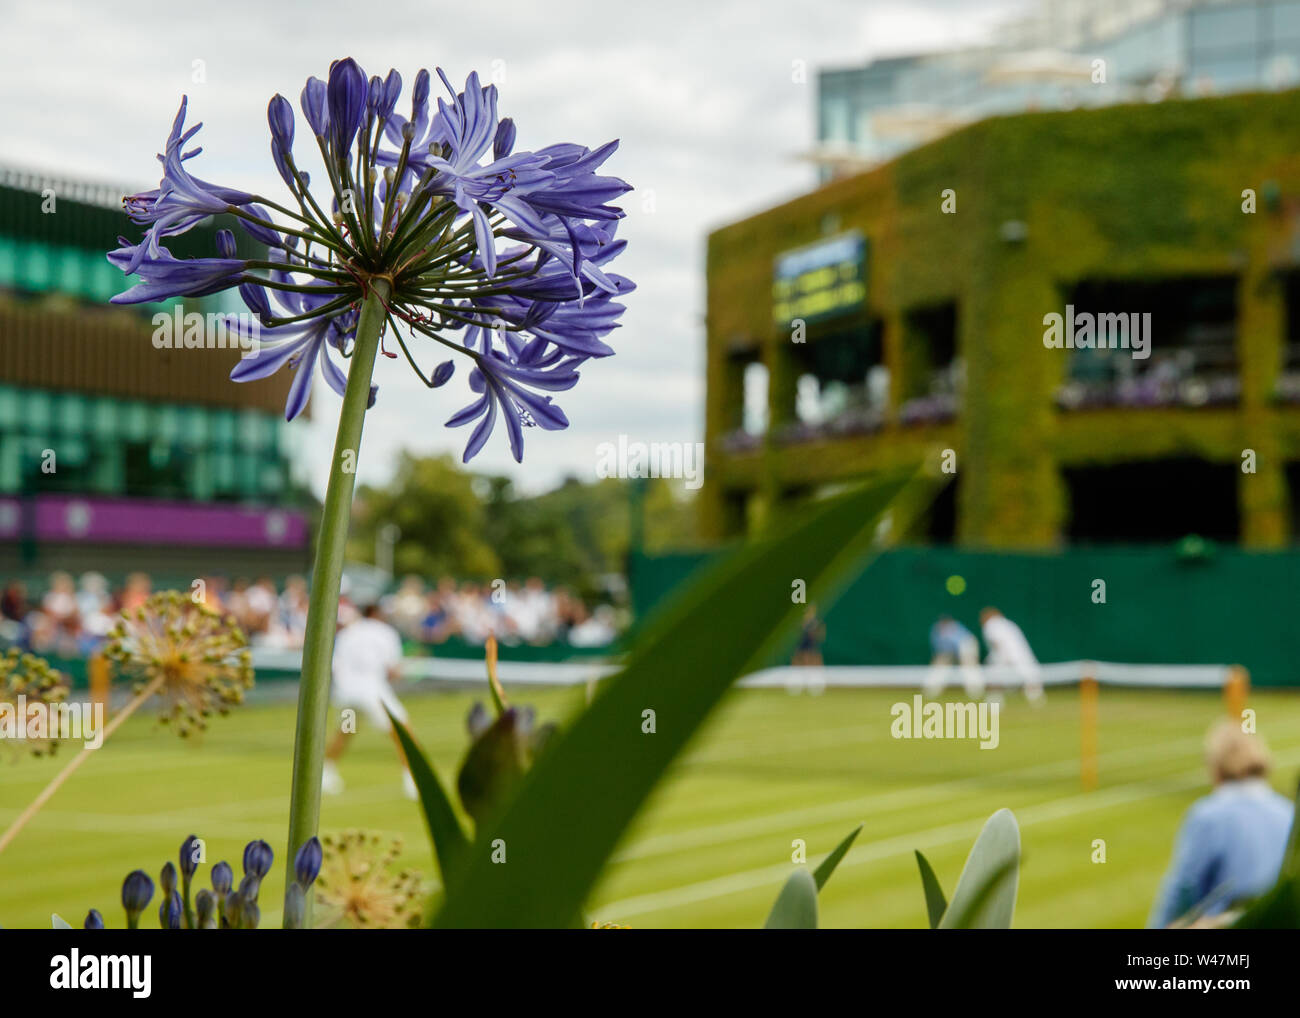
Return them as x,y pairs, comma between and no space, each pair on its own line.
1009,648
367,654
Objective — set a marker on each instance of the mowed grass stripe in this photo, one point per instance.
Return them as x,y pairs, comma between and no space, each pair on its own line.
117,814
960,832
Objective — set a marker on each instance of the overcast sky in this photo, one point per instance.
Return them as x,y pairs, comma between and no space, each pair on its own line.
699,92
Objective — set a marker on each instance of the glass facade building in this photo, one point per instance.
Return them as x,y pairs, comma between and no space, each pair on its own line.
1079,53
109,446
92,411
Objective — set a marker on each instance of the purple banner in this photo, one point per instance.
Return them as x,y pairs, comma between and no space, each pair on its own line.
148,521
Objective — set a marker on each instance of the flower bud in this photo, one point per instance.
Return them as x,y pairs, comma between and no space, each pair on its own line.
419,93
279,114
232,909
205,904
137,892
167,879
346,97
189,856
306,864
248,888
169,912
504,142
258,858
249,915
392,89
222,877
94,921
442,373
315,106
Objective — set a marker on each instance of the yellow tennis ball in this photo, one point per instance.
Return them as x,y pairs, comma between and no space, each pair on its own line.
956,585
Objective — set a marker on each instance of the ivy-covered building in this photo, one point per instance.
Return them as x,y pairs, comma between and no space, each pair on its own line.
907,310
116,454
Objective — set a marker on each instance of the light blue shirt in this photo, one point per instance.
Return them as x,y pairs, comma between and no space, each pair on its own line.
1230,846
947,637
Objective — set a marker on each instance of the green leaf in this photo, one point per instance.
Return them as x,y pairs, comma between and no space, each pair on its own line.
972,916
449,841
495,764
574,804
823,872
796,905
935,903
985,897
1277,909
1291,860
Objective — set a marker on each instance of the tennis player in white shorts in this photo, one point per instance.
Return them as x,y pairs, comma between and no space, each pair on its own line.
367,654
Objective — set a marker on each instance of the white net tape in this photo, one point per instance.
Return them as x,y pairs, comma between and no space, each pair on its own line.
569,673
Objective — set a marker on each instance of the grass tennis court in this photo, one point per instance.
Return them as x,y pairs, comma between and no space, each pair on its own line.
715,844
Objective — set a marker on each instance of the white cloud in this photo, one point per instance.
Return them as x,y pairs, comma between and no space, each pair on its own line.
700,94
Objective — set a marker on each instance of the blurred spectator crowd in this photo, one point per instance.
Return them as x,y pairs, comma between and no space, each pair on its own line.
72,617
511,611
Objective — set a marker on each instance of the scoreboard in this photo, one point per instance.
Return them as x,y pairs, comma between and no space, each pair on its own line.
821,280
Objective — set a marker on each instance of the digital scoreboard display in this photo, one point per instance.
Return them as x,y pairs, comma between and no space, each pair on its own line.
821,280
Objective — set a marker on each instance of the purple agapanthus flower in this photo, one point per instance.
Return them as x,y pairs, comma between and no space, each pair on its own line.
500,255
300,345
163,276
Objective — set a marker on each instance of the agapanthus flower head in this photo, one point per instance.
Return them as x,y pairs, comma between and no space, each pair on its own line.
197,659
494,253
26,680
215,908
360,886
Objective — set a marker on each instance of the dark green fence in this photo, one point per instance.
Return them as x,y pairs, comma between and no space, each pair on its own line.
1176,604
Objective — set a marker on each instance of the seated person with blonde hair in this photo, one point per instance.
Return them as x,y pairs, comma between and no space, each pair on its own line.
1232,842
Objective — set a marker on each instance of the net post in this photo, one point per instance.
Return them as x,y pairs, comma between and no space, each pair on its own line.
1088,697
1234,691
97,674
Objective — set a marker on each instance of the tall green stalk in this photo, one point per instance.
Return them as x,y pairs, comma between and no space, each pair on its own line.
327,575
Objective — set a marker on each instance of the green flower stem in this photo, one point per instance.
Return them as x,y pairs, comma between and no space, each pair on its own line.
327,574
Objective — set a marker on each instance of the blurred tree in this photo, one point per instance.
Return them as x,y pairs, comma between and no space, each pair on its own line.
476,527
440,515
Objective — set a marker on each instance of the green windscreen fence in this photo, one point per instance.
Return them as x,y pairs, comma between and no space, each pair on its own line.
1162,605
